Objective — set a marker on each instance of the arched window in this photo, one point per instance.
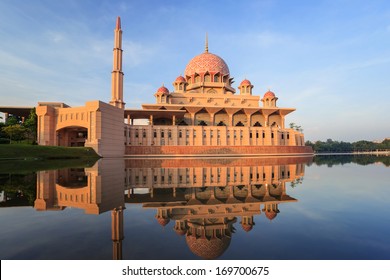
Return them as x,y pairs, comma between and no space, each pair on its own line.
207,77
197,78
216,78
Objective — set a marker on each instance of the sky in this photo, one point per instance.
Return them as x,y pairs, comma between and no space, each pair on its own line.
328,59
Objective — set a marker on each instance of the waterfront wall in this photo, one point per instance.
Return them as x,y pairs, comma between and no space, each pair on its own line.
216,150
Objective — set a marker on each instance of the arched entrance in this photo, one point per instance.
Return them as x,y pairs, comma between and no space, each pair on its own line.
72,136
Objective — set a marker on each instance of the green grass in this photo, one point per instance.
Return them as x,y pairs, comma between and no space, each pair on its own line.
25,151
24,158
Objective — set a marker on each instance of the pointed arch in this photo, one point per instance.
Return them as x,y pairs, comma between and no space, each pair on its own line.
216,78
207,77
221,118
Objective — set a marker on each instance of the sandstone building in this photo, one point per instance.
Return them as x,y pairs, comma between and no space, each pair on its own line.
203,115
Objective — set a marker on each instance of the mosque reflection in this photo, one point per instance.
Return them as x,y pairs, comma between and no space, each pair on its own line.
203,198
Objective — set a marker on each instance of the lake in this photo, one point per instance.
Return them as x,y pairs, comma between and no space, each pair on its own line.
305,208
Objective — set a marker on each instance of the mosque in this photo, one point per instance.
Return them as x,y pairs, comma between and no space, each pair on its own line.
203,115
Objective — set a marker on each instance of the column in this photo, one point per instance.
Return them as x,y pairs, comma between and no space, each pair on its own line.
212,117
151,120
192,118
248,120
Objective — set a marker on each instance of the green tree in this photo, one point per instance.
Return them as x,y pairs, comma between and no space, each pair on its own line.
31,126
12,120
15,132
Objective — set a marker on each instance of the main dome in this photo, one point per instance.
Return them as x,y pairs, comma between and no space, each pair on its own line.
206,62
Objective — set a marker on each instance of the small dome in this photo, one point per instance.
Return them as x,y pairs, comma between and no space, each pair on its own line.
162,90
269,94
247,228
206,62
271,215
180,79
245,83
180,231
163,221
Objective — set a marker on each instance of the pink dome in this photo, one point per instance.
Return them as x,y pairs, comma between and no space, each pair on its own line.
180,79
163,90
245,83
271,215
163,221
269,94
247,228
206,62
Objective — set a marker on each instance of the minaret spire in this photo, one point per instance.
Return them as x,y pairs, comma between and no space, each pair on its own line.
117,74
118,23
206,48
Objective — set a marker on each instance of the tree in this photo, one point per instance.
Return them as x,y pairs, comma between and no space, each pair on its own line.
12,120
15,132
31,126
296,127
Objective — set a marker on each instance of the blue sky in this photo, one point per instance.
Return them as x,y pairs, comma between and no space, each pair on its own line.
328,59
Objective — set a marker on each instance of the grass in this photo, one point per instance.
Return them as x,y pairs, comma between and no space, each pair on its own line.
24,158
25,151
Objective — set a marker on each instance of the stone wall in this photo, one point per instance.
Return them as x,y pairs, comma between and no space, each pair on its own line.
217,150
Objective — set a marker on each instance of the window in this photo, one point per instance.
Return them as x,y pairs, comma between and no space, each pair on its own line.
180,134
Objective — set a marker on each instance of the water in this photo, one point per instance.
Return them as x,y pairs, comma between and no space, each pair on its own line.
251,208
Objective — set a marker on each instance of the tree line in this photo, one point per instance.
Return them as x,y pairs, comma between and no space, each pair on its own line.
331,146
14,130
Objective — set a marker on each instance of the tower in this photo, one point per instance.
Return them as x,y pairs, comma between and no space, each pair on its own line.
117,74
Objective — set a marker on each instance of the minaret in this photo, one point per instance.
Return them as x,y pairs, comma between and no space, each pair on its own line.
117,232
117,74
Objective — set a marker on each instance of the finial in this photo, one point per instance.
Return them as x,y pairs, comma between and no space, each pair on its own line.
118,23
206,49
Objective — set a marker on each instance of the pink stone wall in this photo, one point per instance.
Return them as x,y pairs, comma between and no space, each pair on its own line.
217,150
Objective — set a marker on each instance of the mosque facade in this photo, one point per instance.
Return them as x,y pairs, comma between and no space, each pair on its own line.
203,115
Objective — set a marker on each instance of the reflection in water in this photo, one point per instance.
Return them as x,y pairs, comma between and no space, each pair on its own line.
203,197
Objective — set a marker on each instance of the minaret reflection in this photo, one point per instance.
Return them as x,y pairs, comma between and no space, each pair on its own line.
97,189
205,197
